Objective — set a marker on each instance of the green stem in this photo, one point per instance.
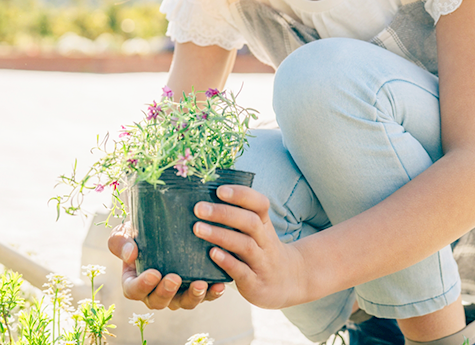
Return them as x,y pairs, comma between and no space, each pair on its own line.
84,336
59,321
10,336
54,314
93,294
141,333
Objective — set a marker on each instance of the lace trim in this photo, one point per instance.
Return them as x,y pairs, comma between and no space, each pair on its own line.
203,22
436,8
198,38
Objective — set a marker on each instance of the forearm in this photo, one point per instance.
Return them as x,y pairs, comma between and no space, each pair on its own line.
201,67
413,223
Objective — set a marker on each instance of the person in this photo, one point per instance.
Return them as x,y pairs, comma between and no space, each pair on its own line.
374,100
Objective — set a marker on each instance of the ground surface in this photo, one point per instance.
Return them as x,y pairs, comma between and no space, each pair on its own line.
47,120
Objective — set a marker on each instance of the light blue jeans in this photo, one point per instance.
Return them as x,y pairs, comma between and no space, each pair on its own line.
356,123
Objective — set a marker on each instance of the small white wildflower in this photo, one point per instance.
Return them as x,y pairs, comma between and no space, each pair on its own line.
141,320
64,300
200,339
88,301
57,282
93,271
76,315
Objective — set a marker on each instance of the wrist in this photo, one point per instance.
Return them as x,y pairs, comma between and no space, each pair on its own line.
312,271
301,288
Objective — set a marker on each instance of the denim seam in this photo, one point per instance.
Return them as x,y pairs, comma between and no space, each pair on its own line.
395,151
337,316
407,304
382,123
405,81
288,200
441,275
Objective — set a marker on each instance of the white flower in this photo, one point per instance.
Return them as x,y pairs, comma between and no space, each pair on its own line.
88,301
200,339
93,271
141,320
57,282
57,290
64,299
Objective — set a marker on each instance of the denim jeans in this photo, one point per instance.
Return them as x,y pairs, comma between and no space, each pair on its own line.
357,122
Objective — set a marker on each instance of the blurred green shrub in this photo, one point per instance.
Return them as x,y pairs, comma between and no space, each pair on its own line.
36,21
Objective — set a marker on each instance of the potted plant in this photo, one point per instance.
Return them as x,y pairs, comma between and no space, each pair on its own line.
177,155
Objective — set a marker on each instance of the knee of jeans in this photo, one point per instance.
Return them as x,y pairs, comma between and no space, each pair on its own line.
323,76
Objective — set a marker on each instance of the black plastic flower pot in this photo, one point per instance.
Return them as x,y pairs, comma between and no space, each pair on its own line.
163,218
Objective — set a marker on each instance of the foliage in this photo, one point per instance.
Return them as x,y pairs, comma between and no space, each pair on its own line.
36,21
10,299
192,136
37,327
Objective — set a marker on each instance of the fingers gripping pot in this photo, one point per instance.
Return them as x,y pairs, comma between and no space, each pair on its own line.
163,218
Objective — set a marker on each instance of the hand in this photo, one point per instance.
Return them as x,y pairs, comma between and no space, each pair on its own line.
149,287
267,270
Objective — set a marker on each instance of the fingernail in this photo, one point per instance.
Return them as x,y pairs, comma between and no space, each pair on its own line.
219,293
218,255
225,192
170,285
150,279
205,210
203,229
198,293
127,250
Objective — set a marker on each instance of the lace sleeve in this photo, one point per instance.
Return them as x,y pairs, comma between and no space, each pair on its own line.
203,22
436,8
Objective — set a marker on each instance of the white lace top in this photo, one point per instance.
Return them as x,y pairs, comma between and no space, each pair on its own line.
209,22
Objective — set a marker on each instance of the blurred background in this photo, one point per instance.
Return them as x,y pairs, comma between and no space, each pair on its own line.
102,36
82,27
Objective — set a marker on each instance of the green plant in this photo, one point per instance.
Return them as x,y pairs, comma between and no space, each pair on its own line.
34,325
59,293
10,299
141,321
40,326
192,136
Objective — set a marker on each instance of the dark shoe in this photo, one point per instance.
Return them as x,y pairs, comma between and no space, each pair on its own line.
371,330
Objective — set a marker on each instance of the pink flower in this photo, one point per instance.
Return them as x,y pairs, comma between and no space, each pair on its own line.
182,170
211,92
99,188
123,134
181,165
114,184
202,116
132,161
167,92
153,111
187,157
